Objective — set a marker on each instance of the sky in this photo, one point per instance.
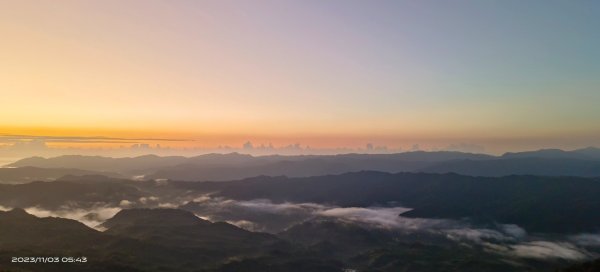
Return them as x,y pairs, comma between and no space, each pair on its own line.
504,75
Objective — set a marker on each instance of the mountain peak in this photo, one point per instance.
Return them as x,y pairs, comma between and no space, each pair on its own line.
18,212
590,150
153,217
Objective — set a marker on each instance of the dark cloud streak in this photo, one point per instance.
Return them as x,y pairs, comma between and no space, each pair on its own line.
84,139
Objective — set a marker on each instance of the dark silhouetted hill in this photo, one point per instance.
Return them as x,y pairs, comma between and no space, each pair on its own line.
29,174
519,166
181,242
593,266
83,190
545,204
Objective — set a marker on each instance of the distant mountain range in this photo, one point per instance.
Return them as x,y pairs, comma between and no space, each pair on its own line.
539,204
589,153
223,167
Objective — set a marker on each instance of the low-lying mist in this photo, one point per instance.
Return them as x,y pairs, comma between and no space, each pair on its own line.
266,216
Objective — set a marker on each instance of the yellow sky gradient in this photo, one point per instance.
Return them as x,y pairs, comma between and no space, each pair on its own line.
219,74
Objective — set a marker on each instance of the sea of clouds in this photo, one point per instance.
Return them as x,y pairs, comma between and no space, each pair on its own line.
267,216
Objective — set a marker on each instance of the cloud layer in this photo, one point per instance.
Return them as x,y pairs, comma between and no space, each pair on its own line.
91,217
265,215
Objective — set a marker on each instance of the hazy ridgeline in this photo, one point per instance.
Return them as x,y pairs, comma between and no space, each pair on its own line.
223,167
415,211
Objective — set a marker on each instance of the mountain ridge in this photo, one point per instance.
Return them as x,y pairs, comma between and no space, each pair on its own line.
225,167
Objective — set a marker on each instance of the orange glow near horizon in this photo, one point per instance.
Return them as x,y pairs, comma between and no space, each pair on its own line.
214,73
